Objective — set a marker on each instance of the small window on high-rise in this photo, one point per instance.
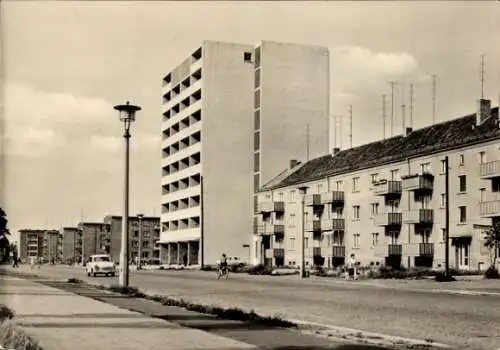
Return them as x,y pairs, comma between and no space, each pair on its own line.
247,56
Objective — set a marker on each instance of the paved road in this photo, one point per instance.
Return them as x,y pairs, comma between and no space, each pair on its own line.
464,321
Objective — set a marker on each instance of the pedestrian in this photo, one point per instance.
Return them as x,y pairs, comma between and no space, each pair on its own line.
14,259
351,268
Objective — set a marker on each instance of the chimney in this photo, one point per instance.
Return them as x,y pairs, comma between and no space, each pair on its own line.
336,150
483,110
408,131
294,163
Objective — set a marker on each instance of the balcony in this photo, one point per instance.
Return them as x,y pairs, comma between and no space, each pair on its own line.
418,216
422,183
314,225
388,219
489,170
335,197
387,188
269,207
419,249
270,229
278,253
333,225
338,251
313,200
386,250
489,209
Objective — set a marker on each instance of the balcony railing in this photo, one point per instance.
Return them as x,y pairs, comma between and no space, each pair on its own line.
418,183
419,249
338,251
489,170
269,207
313,200
418,216
336,197
333,225
387,188
388,219
314,225
489,209
270,229
385,250
278,252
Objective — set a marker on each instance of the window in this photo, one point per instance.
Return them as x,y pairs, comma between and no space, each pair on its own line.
443,166
374,178
257,78
339,185
375,207
355,184
356,242
247,57
393,205
293,195
256,182
355,210
280,197
320,188
463,183
395,175
257,99
257,119
306,242
425,168
443,235
443,200
482,157
292,243
462,214
292,219
461,159
256,162
482,194
374,238
256,141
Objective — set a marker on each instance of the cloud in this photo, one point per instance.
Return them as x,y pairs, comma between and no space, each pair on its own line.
105,143
358,70
31,142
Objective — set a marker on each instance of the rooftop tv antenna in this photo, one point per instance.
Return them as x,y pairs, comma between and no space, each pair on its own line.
403,106
392,83
384,116
411,105
307,142
434,99
482,76
350,126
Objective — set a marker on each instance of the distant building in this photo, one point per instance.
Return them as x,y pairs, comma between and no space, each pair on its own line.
43,245
52,246
233,115
385,201
94,238
71,245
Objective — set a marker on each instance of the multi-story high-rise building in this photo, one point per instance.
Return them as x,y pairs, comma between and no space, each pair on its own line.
71,245
230,112
94,240
52,246
385,201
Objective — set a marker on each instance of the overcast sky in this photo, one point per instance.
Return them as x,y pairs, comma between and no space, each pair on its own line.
65,64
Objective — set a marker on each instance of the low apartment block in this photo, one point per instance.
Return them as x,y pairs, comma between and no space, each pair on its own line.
42,245
91,238
385,201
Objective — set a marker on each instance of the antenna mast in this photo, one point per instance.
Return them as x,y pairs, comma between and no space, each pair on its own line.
434,99
307,137
403,106
340,130
335,141
383,116
350,126
411,105
392,106
482,76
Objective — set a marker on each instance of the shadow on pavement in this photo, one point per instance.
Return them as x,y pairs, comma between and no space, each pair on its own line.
113,325
89,315
336,347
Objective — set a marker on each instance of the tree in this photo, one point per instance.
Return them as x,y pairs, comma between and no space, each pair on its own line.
4,241
492,241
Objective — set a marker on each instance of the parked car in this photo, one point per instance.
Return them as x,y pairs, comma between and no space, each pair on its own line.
100,264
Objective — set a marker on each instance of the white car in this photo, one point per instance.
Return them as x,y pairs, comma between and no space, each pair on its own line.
100,264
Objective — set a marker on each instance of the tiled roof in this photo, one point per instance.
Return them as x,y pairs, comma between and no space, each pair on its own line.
439,137
281,176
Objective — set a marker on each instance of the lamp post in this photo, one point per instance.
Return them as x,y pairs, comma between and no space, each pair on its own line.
302,191
140,216
127,116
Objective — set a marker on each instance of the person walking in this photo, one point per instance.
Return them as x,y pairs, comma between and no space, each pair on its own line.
351,268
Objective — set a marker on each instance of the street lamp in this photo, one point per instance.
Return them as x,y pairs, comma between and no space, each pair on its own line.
140,216
302,191
127,116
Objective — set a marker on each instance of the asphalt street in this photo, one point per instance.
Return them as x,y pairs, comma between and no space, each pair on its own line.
463,321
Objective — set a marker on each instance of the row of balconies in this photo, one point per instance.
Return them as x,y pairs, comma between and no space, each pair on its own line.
336,251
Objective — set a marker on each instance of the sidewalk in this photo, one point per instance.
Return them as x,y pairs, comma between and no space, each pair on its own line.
61,320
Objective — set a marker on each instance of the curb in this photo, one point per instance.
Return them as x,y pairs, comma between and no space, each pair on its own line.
368,337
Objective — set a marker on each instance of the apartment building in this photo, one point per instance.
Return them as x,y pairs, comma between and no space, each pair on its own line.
30,244
385,201
143,232
44,245
95,239
71,245
229,111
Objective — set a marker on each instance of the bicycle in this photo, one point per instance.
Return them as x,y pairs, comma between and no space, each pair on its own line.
222,272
